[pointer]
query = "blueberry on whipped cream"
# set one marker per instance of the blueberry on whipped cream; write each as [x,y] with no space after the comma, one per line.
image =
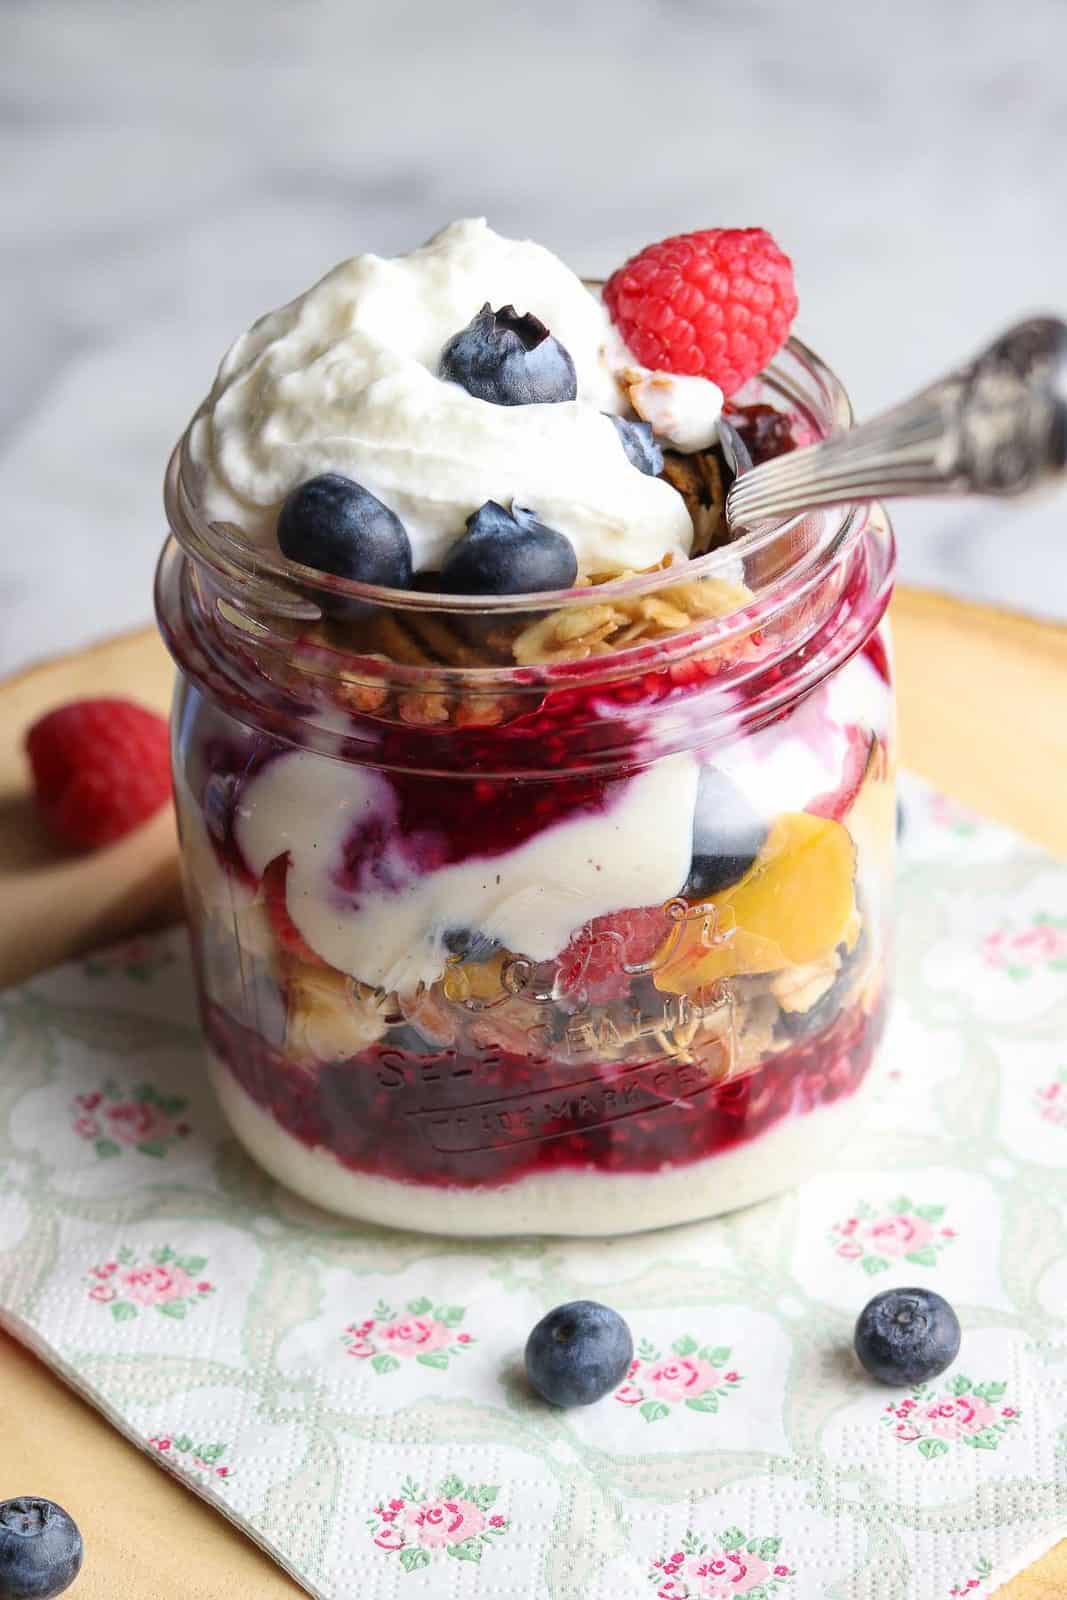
[509,360]
[640,446]
[335,525]
[508,552]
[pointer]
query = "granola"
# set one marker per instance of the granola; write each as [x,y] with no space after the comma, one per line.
[431,639]
[602,628]
[699,480]
[330,1015]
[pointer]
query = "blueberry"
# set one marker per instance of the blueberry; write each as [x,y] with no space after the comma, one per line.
[508,552]
[728,835]
[470,945]
[641,449]
[40,1549]
[219,799]
[906,1336]
[509,360]
[335,525]
[806,1024]
[578,1353]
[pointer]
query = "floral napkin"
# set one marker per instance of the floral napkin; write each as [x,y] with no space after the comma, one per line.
[352,1396]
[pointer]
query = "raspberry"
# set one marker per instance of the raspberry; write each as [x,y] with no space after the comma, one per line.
[599,954]
[100,767]
[715,304]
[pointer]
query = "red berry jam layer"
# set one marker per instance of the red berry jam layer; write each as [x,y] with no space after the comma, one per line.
[492,1118]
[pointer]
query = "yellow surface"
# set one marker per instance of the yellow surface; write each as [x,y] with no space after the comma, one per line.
[983,697]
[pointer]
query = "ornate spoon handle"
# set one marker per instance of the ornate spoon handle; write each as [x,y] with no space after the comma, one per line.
[996,426]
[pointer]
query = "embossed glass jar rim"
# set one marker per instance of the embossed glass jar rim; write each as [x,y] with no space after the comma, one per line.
[265,586]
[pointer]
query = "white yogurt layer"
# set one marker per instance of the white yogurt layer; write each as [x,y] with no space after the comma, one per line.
[388,928]
[570,1203]
[343,379]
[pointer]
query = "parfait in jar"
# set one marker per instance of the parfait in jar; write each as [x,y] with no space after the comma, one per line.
[537,833]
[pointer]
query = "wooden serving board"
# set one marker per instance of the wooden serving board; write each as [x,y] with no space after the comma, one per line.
[982,701]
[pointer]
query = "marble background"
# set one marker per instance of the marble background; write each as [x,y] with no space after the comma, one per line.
[167,172]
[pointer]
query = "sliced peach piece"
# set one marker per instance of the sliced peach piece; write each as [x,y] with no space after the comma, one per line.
[477,980]
[794,905]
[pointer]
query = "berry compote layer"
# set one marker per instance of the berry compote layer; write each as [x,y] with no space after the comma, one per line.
[565,917]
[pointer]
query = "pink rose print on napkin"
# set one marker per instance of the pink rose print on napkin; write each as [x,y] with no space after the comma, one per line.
[415,1336]
[904,1231]
[155,1285]
[688,1375]
[113,1119]
[900,1235]
[717,1568]
[427,1334]
[136,1122]
[1051,1100]
[455,1520]
[964,1413]
[959,1418]
[164,1281]
[683,1378]
[181,1452]
[951,816]
[983,1571]
[1039,946]
[733,1572]
[442,1522]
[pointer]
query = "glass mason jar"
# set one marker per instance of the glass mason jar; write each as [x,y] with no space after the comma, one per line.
[565,919]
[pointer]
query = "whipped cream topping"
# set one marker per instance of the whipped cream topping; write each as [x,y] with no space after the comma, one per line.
[684,411]
[532,899]
[344,379]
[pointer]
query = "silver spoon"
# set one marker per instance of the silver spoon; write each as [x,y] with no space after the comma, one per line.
[996,426]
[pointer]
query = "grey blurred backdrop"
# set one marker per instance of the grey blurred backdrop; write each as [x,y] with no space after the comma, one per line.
[169,171]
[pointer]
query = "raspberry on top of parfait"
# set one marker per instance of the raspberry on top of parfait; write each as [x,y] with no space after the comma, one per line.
[716,304]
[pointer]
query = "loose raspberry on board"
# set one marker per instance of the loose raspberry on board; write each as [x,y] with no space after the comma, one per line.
[100,767]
